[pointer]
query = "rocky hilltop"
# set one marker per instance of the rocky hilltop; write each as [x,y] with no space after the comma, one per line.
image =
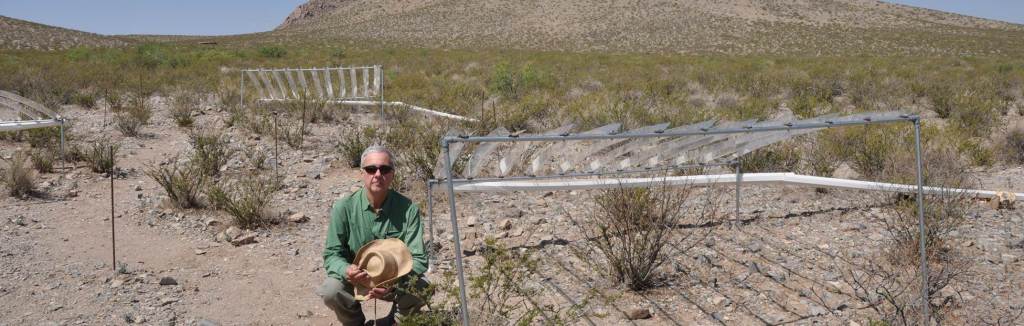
[688,26]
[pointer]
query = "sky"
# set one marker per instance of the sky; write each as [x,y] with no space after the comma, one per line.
[222,17]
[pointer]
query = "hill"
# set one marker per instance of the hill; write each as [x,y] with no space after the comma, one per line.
[828,27]
[21,35]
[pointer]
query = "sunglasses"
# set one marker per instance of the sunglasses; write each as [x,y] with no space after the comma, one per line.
[372,169]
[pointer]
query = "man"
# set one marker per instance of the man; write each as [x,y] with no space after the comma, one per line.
[373,212]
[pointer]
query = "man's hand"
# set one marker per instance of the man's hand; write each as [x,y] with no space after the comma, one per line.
[357,276]
[377,293]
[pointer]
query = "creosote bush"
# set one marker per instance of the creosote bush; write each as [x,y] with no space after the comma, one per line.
[182,182]
[183,105]
[353,143]
[635,229]
[42,160]
[18,176]
[211,151]
[246,200]
[101,156]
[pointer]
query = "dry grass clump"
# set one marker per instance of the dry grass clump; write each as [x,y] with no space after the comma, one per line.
[634,229]
[247,200]
[101,156]
[18,176]
[211,151]
[183,105]
[42,159]
[182,182]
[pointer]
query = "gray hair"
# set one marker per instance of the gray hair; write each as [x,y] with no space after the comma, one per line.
[378,149]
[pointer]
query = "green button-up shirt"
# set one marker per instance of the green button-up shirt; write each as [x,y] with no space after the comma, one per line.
[354,223]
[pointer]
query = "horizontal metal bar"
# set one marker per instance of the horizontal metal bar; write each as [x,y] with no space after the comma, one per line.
[432,182]
[28,124]
[307,69]
[712,131]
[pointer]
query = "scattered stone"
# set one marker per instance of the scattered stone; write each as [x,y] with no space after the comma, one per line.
[212,222]
[505,224]
[1009,259]
[233,232]
[167,301]
[540,221]
[167,280]
[222,237]
[207,322]
[138,188]
[638,313]
[200,252]
[305,314]
[19,220]
[298,218]
[116,283]
[472,221]
[1003,200]
[248,237]
[755,246]
[512,213]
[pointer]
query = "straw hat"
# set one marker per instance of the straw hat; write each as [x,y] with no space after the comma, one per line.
[385,260]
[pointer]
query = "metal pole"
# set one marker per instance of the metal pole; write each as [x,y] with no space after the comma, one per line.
[739,179]
[463,302]
[241,89]
[277,155]
[430,209]
[380,74]
[63,158]
[925,315]
[113,234]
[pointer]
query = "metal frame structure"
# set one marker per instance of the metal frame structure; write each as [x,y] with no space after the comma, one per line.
[357,85]
[743,128]
[30,115]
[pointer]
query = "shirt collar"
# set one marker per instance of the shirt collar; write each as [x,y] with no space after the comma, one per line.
[367,206]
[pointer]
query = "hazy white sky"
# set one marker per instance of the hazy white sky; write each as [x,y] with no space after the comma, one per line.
[219,17]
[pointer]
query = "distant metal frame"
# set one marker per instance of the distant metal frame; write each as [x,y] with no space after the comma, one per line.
[32,109]
[273,88]
[450,180]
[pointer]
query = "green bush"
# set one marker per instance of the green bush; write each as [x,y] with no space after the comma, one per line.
[211,151]
[182,106]
[246,200]
[273,52]
[128,124]
[182,182]
[101,156]
[774,158]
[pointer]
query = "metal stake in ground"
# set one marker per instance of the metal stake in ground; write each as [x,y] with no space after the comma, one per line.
[113,235]
[925,302]
[277,155]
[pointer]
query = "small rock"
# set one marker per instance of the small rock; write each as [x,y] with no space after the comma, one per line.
[298,218]
[512,213]
[305,314]
[505,224]
[138,188]
[233,232]
[1009,259]
[222,237]
[638,313]
[200,252]
[167,301]
[212,222]
[472,221]
[244,239]
[167,280]
[207,322]
[1003,200]
[116,283]
[540,221]
[19,220]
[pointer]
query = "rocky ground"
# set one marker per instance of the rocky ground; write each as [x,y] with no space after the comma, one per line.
[784,260]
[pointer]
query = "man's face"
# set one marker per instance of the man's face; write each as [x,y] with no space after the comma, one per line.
[377,180]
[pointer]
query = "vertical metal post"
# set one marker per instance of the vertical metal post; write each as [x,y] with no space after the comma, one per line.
[925,302]
[277,155]
[63,158]
[241,89]
[380,74]
[739,179]
[463,303]
[113,234]
[430,209]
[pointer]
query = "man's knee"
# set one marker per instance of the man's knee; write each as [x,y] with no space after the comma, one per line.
[335,293]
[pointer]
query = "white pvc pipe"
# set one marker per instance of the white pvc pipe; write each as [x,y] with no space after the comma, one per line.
[703,180]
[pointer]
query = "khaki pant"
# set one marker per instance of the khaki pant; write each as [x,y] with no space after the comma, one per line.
[337,295]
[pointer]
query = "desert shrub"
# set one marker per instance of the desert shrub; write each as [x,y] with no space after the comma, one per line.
[273,52]
[211,151]
[182,106]
[42,160]
[44,137]
[246,200]
[293,133]
[311,109]
[128,124]
[18,176]
[511,82]
[1012,146]
[85,100]
[353,143]
[821,160]
[633,227]
[256,157]
[416,145]
[774,158]
[182,182]
[101,156]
